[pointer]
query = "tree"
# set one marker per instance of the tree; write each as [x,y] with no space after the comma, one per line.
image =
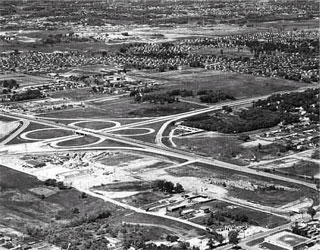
[209,221]
[233,237]
[210,243]
[219,237]
[312,212]
[179,188]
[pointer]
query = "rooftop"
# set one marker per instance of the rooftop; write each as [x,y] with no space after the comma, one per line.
[286,239]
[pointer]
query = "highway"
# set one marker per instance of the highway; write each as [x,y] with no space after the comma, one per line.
[25,124]
[162,149]
[159,149]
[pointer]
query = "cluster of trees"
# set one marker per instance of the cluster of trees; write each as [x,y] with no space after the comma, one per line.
[222,215]
[248,120]
[155,98]
[140,91]
[292,102]
[210,96]
[63,38]
[88,218]
[168,186]
[162,97]
[215,237]
[9,84]
[27,95]
[179,246]
[55,183]
[180,92]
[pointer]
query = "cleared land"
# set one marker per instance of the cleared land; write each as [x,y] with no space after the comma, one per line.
[25,80]
[122,108]
[6,128]
[238,85]
[239,185]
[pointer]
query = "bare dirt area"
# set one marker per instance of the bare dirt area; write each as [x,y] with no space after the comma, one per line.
[6,128]
[254,189]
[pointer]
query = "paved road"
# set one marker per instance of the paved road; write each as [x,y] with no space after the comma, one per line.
[159,149]
[139,210]
[156,149]
[25,124]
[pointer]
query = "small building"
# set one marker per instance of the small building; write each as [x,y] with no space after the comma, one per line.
[34,164]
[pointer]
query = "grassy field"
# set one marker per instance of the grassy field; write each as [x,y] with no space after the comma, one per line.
[110,143]
[144,199]
[263,197]
[49,134]
[302,168]
[274,198]
[149,137]
[122,108]
[238,85]
[81,141]
[226,148]
[96,125]
[224,209]
[6,119]
[132,131]
[20,205]
[32,126]
[74,94]
[181,229]
[22,208]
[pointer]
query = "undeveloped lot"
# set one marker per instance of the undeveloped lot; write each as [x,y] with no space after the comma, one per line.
[238,85]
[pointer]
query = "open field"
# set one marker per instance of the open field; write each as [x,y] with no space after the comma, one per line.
[235,84]
[25,80]
[6,119]
[65,216]
[149,137]
[289,25]
[181,229]
[240,186]
[7,128]
[20,205]
[32,126]
[96,124]
[302,168]
[144,199]
[74,94]
[134,132]
[110,143]
[48,134]
[89,46]
[215,145]
[294,168]
[273,198]
[122,108]
[80,141]
[226,212]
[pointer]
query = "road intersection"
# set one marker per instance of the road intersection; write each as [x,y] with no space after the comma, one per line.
[157,148]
